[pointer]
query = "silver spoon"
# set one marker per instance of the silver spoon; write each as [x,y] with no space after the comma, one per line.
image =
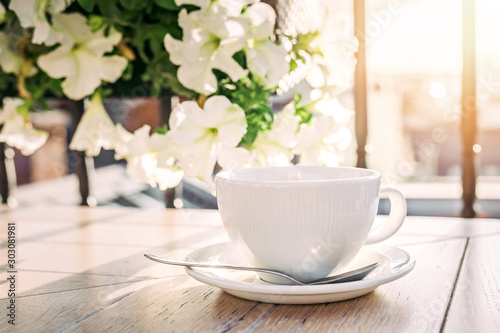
[353,275]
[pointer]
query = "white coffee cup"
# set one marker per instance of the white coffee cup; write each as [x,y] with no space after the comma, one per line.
[304,221]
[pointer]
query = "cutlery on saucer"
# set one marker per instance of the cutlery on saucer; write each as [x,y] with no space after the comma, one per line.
[353,275]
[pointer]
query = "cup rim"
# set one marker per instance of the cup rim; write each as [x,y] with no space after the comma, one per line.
[225,176]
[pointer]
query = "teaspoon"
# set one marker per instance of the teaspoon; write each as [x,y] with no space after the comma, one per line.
[349,276]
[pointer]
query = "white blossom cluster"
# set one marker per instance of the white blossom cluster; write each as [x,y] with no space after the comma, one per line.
[200,135]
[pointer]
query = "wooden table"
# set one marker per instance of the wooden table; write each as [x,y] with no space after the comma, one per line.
[82,269]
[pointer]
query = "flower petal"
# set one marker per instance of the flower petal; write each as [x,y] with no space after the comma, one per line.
[187,50]
[168,178]
[57,6]
[233,158]
[141,168]
[175,49]
[267,61]
[228,65]
[111,67]
[263,19]
[32,140]
[284,129]
[199,158]
[16,133]
[58,63]
[32,13]
[74,27]
[190,24]
[13,126]
[217,24]
[120,139]
[209,41]
[234,7]
[10,106]
[85,78]
[79,58]
[100,44]
[333,65]
[184,128]
[26,12]
[95,130]
[230,120]
[214,112]
[89,71]
[269,153]
[198,76]
[10,62]
[42,32]
[139,145]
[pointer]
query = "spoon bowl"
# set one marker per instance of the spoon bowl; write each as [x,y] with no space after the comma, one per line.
[354,275]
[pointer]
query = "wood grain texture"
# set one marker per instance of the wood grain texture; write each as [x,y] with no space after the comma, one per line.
[82,269]
[476,302]
[32,283]
[115,234]
[400,306]
[396,306]
[165,307]
[97,259]
[55,312]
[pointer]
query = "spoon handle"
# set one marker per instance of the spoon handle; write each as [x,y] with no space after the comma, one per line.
[223,266]
[353,275]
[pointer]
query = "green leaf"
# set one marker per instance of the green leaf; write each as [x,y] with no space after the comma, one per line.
[156,43]
[55,87]
[43,103]
[167,4]
[109,9]
[106,92]
[131,4]
[162,130]
[96,22]
[240,58]
[88,5]
[302,111]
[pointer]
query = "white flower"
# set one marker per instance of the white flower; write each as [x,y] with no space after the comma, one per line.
[10,60]
[234,158]
[332,69]
[317,143]
[95,130]
[204,133]
[209,42]
[265,59]
[275,147]
[120,139]
[330,106]
[17,132]
[32,13]
[324,141]
[80,57]
[148,157]
[10,106]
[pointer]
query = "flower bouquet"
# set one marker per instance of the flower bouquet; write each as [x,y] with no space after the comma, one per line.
[223,58]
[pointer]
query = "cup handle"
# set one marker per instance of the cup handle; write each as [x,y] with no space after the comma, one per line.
[395,219]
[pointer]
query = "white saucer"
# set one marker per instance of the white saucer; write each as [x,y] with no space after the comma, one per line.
[394,264]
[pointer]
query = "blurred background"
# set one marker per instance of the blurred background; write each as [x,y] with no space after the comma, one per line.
[414,87]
